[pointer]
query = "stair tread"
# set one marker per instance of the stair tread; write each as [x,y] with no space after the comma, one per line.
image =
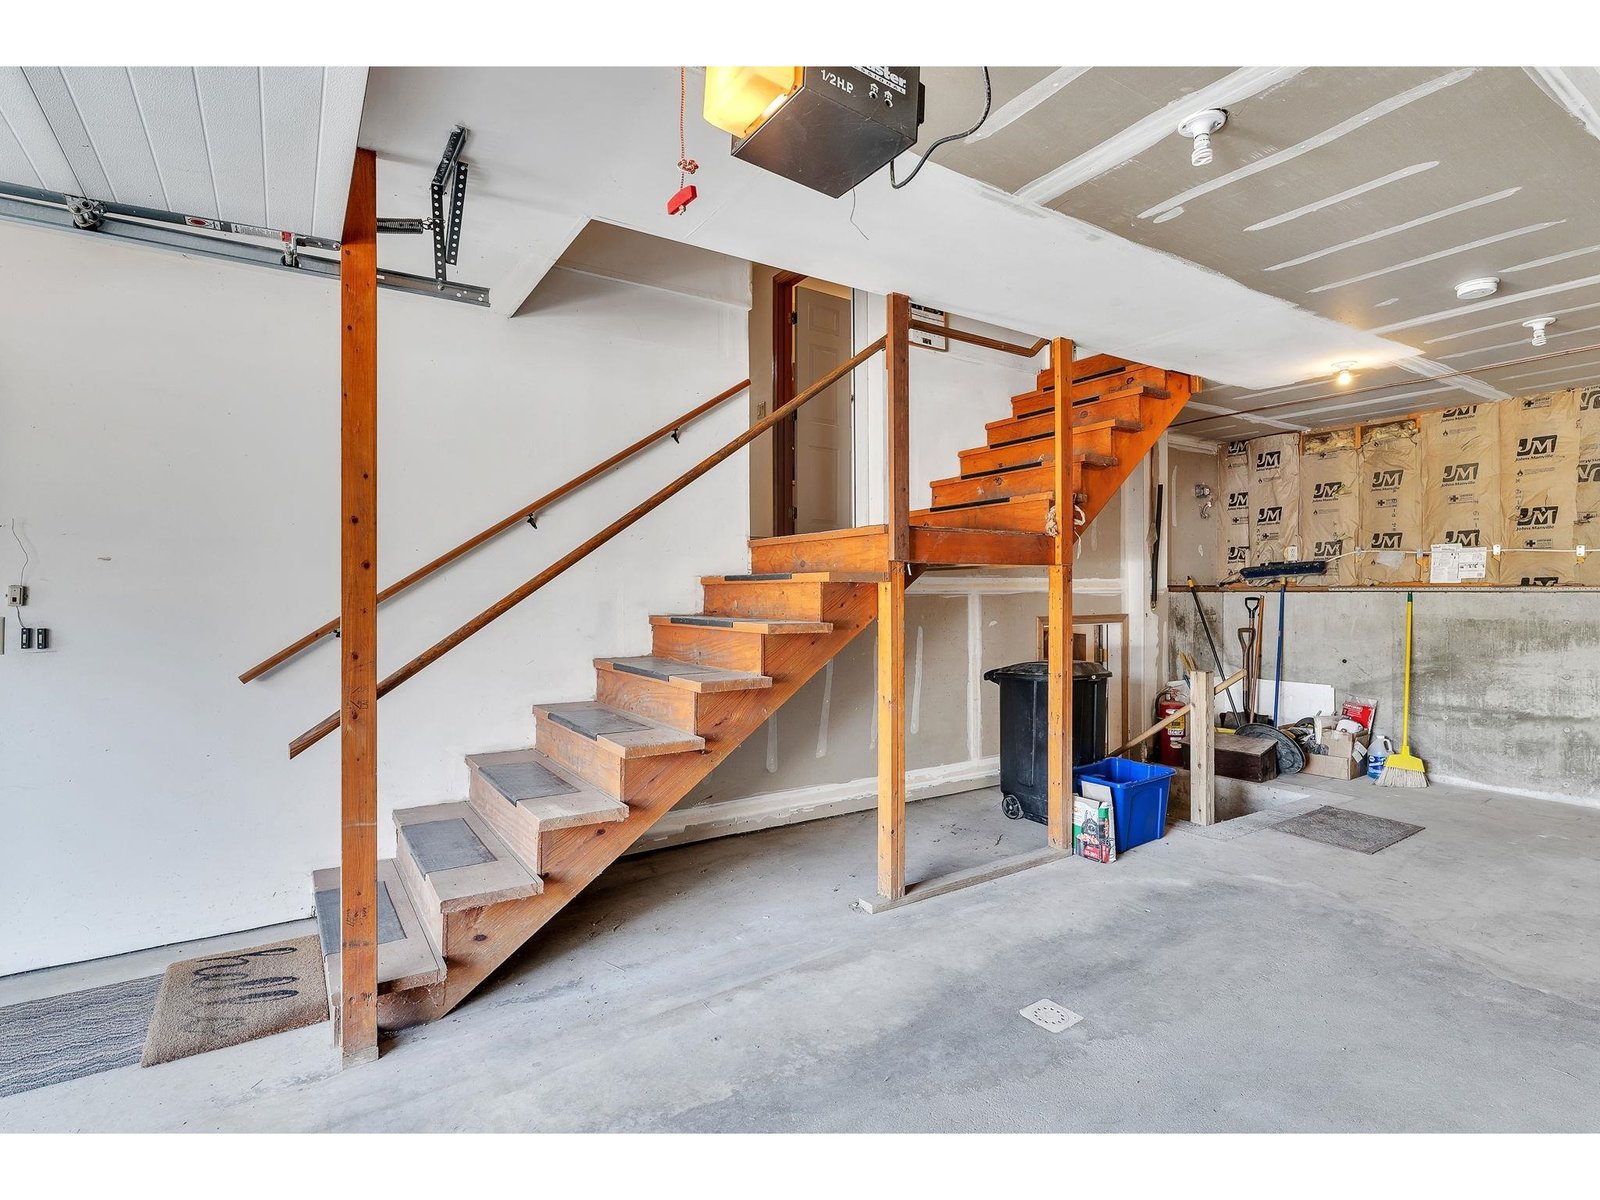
[791,577]
[1086,458]
[624,733]
[406,958]
[464,861]
[689,676]
[742,624]
[544,789]
[1142,389]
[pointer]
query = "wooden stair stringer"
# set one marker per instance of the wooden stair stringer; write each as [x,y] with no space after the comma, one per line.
[1157,414]
[477,941]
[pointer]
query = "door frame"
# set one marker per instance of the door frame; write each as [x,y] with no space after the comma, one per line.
[784,284]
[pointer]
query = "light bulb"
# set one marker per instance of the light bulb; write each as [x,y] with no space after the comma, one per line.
[1344,378]
[1200,127]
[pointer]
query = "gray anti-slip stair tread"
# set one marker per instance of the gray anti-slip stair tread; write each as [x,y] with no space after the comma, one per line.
[743,624]
[692,675]
[520,782]
[594,723]
[327,908]
[445,845]
[404,962]
[625,734]
[456,860]
[543,792]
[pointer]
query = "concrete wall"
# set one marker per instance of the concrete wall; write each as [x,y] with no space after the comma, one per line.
[169,451]
[1192,539]
[1505,685]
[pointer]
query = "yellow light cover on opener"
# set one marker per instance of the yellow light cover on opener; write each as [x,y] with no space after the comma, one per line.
[738,99]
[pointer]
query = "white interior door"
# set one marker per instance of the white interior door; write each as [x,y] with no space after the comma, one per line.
[822,471]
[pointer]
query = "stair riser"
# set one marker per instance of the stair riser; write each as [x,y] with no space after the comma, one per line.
[1125,408]
[1094,365]
[519,832]
[727,648]
[776,600]
[1028,516]
[585,758]
[1096,441]
[1104,385]
[989,487]
[699,712]
[986,458]
[422,893]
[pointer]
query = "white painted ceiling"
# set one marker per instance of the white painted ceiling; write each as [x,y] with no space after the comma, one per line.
[553,146]
[268,146]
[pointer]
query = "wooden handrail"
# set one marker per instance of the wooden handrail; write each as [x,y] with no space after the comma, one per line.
[977,339]
[499,527]
[506,603]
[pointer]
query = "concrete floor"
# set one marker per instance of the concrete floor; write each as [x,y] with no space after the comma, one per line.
[1234,978]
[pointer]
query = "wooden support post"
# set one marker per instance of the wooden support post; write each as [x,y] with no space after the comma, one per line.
[1202,748]
[1058,810]
[358,619]
[897,432]
[892,606]
[892,734]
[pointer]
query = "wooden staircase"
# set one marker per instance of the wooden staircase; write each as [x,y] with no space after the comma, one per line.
[472,881]
[1119,411]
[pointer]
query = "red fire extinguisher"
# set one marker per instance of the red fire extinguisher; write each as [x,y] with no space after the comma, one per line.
[1170,742]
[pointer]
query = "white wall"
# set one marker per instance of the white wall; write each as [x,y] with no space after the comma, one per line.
[168,447]
[953,394]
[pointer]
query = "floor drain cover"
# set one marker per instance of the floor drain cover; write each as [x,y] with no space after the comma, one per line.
[1047,1014]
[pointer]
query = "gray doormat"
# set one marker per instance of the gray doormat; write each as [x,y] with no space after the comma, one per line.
[61,1038]
[222,1000]
[1348,829]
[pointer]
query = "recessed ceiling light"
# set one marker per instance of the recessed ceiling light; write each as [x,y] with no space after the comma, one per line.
[1537,325]
[1477,289]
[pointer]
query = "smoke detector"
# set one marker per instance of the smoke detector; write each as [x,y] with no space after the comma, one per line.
[1477,289]
[1200,127]
[1537,325]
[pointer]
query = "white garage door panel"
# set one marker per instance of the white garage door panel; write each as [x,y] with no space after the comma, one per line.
[110,113]
[230,102]
[344,91]
[54,98]
[292,99]
[170,104]
[266,146]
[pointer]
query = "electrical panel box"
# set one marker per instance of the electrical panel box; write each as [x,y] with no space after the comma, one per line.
[842,126]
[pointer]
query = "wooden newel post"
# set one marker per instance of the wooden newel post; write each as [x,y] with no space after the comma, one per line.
[358,619]
[892,605]
[1058,811]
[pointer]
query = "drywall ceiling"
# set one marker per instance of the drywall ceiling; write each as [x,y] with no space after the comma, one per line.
[554,147]
[1363,195]
[268,146]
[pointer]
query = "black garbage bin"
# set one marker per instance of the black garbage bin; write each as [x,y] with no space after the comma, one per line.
[1025,726]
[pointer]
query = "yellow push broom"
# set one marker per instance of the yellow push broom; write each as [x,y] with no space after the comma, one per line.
[1405,769]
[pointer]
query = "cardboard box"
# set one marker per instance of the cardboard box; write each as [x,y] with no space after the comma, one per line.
[1341,761]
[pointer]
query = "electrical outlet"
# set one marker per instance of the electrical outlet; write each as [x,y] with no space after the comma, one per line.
[16,595]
